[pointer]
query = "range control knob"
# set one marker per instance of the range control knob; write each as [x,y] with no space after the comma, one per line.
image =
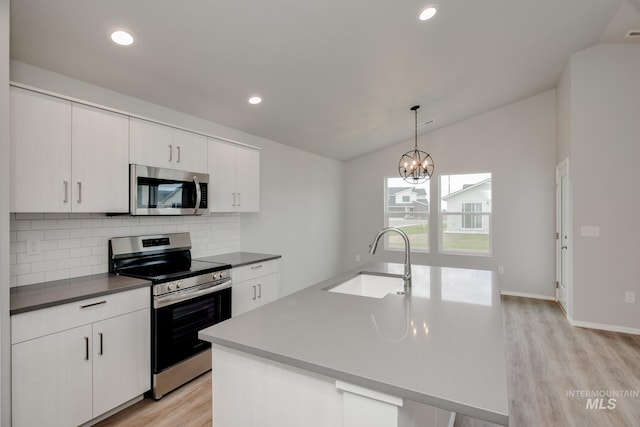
[170,287]
[178,285]
[216,275]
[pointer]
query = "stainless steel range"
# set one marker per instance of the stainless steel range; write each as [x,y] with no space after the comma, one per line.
[188,296]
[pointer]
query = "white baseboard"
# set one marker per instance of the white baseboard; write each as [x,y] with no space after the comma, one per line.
[527,295]
[603,326]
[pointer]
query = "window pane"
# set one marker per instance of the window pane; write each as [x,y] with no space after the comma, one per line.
[407,207]
[465,213]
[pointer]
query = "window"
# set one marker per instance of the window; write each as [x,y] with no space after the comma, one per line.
[465,214]
[470,216]
[407,207]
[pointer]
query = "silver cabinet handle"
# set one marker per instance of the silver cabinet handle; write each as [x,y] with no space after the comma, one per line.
[93,304]
[259,290]
[238,199]
[66,192]
[101,352]
[86,348]
[254,293]
[234,199]
[79,192]
[178,148]
[170,152]
[255,267]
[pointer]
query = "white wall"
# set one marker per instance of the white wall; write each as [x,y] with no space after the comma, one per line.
[301,218]
[307,225]
[517,144]
[5,383]
[604,156]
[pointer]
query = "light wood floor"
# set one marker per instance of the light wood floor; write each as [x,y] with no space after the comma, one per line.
[547,359]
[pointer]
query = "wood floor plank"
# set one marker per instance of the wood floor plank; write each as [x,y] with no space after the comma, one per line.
[547,360]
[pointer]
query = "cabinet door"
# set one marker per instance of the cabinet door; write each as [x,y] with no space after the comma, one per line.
[100,160]
[51,380]
[40,152]
[190,151]
[222,177]
[268,288]
[151,144]
[243,297]
[121,360]
[248,179]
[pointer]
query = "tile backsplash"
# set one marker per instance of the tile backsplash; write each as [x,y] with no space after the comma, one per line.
[72,245]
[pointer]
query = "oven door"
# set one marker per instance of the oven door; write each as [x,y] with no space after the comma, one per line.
[158,191]
[178,318]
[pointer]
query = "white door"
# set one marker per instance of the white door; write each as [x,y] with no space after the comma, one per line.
[100,160]
[40,152]
[248,179]
[562,227]
[222,177]
[52,379]
[151,144]
[121,360]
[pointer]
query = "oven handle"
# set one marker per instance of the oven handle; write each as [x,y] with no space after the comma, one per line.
[198,195]
[165,300]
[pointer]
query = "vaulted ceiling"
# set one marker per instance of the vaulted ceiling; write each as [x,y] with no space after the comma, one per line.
[338,77]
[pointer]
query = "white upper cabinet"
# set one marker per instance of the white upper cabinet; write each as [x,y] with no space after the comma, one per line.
[40,152]
[234,177]
[153,144]
[100,153]
[67,157]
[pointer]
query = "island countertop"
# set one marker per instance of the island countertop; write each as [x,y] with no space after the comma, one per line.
[442,345]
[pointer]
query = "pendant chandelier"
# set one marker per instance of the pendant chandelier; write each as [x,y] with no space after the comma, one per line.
[416,166]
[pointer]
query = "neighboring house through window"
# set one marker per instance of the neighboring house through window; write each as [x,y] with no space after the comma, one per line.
[465,214]
[407,207]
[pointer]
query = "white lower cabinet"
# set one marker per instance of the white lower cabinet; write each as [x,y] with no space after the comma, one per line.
[254,285]
[71,375]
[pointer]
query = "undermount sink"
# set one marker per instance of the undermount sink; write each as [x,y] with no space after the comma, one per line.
[370,285]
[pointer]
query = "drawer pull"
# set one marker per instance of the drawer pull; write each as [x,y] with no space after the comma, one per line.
[93,304]
[255,267]
[259,290]
[101,344]
[86,348]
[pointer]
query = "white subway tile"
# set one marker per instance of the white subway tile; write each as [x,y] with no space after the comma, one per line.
[50,276]
[17,247]
[48,245]
[19,225]
[92,241]
[79,252]
[12,236]
[99,250]
[23,258]
[29,216]
[29,279]
[12,216]
[121,231]
[91,223]
[69,263]
[170,228]
[69,223]
[80,271]
[45,266]
[44,224]
[13,281]
[155,229]
[94,260]
[104,232]
[80,232]
[100,268]
[23,236]
[56,234]
[69,243]
[13,259]
[75,215]
[56,255]
[19,269]
[56,215]
[130,221]
[147,220]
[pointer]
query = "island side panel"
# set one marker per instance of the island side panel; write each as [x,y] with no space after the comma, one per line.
[252,391]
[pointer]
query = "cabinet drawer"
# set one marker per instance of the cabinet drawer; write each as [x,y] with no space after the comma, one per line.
[38,323]
[252,271]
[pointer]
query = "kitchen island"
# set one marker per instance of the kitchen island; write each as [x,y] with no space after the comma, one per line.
[321,358]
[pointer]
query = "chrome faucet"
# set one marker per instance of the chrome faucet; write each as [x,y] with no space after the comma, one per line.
[407,253]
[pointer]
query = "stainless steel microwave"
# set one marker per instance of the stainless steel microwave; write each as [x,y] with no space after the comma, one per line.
[159,191]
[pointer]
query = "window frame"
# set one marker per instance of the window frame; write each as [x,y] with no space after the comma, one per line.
[408,209]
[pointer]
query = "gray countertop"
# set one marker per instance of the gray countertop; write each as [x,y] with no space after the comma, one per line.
[49,294]
[238,259]
[441,346]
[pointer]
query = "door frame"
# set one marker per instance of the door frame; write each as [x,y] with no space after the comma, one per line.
[564,166]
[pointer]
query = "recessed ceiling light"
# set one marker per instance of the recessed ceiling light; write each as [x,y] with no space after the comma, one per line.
[255,100]
[122,37]
[428,12]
